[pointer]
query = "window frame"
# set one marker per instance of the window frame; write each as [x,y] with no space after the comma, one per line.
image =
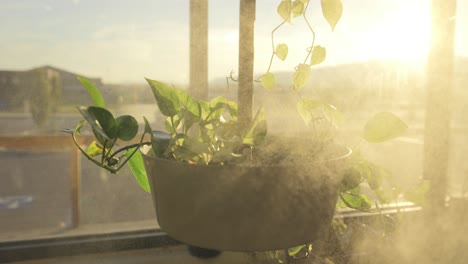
[144,239]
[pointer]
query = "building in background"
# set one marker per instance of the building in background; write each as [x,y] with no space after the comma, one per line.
[17,87]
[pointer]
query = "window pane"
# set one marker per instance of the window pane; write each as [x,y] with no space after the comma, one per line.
[376,60]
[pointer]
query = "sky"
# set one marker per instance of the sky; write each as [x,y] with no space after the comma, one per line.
[124,41]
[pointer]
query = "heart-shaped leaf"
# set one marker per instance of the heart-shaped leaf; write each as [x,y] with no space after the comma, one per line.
[105,120]
[268,81]
[258,131]
[127,127]
[218,104]
[166,98]
[172,123]
[281,51]
[294,250]
[332,11]
[147,126]
[136,165]
[189,102]
[301,76]
[103,125]
[297,8]
[284,10]
[383,126]
[356,201]
[94,149]
[319,54]
[93,91]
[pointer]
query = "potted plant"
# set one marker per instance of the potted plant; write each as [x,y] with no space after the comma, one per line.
[223,184]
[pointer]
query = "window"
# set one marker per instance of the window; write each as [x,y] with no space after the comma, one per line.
[377,60]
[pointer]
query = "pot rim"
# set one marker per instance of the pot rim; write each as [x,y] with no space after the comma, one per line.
[145,149]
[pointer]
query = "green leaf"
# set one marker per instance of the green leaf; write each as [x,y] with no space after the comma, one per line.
[268,81]
[136,165]
[107,120]
[94,149]
[332,11]
[284,10]
[372,173]
[189,102]
[383,126]
[79,126]
[301,76]
[172,123]
[297,8]
[221,103]
[190,119]
[351,179]
[306,108]
[281,51]
[294,250]
[356,201]
[189,149]
[166,98]
[205,109]
[258,131]
[127,127]
[147,126]
[93,91]
[319,54]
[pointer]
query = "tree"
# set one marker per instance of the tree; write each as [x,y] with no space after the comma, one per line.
[46,89]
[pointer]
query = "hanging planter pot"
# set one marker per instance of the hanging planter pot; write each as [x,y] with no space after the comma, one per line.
[248,207]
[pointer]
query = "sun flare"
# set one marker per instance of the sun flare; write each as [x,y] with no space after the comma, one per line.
[404,36]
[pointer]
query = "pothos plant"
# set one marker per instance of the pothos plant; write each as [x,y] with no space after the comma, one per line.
[208,132]
[198,132]
[322,117]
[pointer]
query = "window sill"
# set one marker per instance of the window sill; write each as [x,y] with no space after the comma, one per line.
[127,246]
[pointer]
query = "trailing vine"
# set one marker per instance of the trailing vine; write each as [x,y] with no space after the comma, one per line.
[312,110]
[288,10]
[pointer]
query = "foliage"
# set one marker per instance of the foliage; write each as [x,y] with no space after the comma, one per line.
[204,132]
[207,132]
[314,111]
[316,54]
[199,132]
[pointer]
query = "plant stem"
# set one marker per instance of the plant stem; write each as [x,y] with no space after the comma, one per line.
[129,147]
[89,157]
[313,33]
[273,43]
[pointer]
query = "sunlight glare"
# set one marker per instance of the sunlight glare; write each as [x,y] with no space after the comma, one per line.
[404,36]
